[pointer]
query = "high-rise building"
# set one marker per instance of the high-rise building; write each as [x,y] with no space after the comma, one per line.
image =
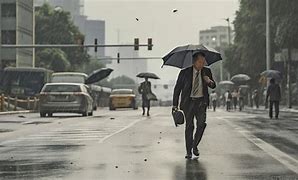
[16,27]
[217,36]
[92,29]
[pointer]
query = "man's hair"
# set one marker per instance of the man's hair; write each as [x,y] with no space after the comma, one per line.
[197,54]
[272,81]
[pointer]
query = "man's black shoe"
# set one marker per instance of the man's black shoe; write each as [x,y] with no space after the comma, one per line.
[196,152]
[188,156]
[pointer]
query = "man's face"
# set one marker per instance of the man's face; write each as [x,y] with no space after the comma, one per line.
[199,62]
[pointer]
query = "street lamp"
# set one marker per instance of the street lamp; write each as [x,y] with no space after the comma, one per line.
[229,31]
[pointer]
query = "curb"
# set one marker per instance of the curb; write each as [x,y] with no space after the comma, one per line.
[15,112]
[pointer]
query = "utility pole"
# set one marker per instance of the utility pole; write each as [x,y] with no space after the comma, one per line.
[289,78]
[268,65]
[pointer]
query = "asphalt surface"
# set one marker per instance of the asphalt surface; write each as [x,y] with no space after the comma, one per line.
[125,145]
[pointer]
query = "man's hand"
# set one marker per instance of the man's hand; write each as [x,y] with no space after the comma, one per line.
[208,80]
[174,108]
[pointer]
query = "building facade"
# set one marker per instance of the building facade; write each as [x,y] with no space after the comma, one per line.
[130,66]
[92,29]
[16,27]
[217,36]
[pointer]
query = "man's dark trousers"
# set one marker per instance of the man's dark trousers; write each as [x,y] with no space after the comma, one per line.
[197,109]
[276,107]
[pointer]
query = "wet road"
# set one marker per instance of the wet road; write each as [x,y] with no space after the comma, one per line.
[124,145]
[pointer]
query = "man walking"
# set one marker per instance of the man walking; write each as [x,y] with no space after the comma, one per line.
[145,89]
[192,84]
[274,96]
[213,96]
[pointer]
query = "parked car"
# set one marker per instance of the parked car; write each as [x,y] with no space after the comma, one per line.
[122,98]
[65,98]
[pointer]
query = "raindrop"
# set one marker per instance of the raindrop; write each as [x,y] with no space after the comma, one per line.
[145,160]
[116,167]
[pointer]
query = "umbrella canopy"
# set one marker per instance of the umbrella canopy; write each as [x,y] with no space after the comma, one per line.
[148,75]
[272,74]
[181,56]
[226,83]
[98,75]
[238,78]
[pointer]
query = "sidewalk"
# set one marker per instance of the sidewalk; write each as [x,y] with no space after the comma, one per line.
[294,109]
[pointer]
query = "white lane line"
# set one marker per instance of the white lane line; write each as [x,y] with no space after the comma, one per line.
[282,157]
[124,128]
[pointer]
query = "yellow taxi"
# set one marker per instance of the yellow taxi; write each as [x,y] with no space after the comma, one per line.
[122,98]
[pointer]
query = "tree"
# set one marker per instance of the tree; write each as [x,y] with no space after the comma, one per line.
[92,66]
[54,59]
[55,27]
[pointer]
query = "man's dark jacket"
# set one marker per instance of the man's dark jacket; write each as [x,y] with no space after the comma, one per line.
[184,86]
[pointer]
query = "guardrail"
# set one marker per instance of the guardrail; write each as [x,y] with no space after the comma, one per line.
[8,103]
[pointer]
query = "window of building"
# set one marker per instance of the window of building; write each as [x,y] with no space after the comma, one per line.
[8,37]
[8,10]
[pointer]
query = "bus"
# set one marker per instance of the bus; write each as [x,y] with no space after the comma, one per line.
[24,82]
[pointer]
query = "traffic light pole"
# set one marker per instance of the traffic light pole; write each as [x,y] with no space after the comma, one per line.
[70,45]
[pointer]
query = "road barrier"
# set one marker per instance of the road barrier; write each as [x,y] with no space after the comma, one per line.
[14,103]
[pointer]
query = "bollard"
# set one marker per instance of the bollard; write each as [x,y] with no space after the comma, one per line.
[35,104]
[28,103]
[15,103]
[8,103]
[2,102]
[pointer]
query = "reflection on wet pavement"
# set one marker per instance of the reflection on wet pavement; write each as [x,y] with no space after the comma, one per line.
[193,170]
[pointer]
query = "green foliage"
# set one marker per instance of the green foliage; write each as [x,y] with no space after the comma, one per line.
[92,66]
[55,27]
[54,59]
[248,54]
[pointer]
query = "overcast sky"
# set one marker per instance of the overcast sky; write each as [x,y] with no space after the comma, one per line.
[156,20]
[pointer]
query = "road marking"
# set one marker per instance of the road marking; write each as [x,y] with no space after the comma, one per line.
[126,127]
[282,157]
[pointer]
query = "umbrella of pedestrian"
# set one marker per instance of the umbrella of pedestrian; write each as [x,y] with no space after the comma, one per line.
[239,78]
[272,74]
[148,75]
[98,75]
[181,56]
[226,83]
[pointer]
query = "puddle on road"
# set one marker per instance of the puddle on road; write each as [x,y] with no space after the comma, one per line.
[37,122]
[11,122]
[62,147]
[27,169]
[5,130]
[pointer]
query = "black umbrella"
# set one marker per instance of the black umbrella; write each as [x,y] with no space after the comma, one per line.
[239,78]
[181,56]
[148,75]
[98,75]
[272,74]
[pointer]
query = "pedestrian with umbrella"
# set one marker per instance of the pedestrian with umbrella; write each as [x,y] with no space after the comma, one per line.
[146,92]
[192,84]
[274,96]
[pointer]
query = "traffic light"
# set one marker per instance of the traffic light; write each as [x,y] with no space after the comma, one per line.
[118,58]
[150,44]
[136,44]
[95,43]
